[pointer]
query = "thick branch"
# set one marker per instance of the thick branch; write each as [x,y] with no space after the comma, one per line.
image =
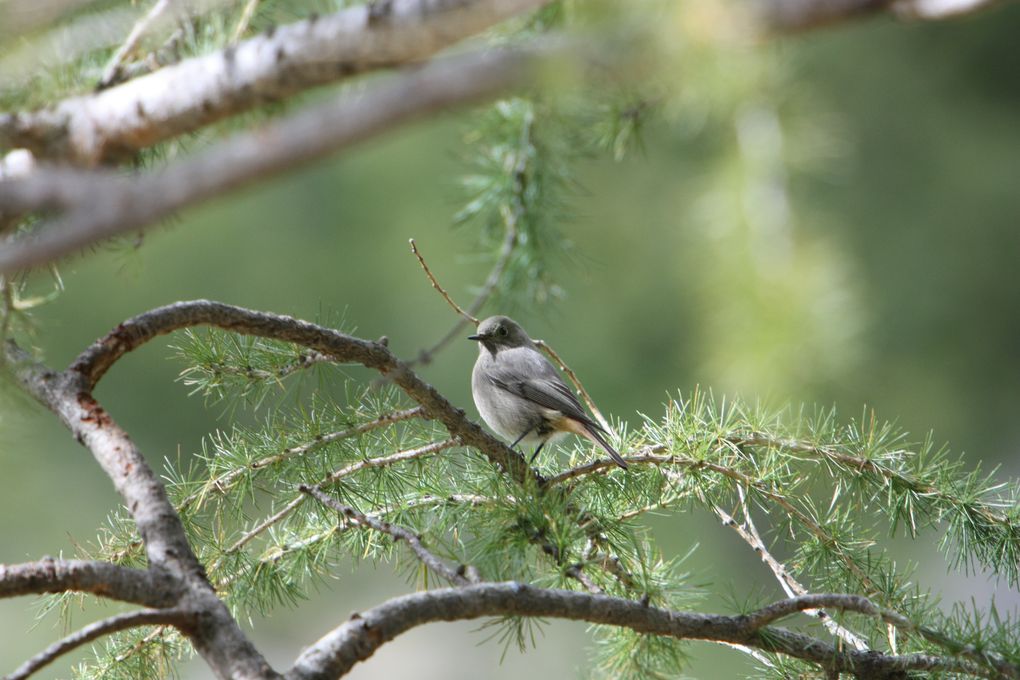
[97,205]
[68,394]
[100,578]
[182,98]
[94,631]
[356,640]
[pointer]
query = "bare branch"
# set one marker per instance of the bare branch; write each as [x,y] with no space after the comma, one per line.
[793,605]
[356,640]
[175,100]
[146,617]
[50,575]
[460,576]
[510,219]
[131,203]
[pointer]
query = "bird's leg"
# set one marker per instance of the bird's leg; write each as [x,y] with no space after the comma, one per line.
[523,435]
[535,454]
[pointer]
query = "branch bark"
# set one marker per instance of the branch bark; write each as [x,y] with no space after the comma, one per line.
[338,651]
[93,363]
[94,631]
[118,122]
[101,204]
[68,394]
[50,575]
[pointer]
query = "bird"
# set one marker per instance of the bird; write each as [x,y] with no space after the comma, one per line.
[521,396]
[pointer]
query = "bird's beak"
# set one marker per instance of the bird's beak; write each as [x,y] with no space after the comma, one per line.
[476,338]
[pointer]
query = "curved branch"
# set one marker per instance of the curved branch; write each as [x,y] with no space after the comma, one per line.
[220,641]
[101,204]
[175,100]
[49,575]
[96,630]
[102,354]
[338,651]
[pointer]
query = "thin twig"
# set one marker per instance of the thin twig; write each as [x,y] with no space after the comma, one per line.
[648,457]
[96,630]
[749,533]
[246,16]
[222,483]
[112,70]
[435,284]
[460,576]
[332,478]
[507,249]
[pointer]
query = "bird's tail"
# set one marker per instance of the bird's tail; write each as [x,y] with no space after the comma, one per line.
[595,434]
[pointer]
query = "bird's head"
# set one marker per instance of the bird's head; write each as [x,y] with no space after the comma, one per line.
[501,332]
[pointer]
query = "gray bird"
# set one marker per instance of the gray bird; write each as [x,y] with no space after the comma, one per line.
[520,394]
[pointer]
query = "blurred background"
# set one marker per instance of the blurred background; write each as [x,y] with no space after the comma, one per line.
[831,218]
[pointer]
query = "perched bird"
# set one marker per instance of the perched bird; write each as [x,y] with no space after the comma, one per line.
[520,394]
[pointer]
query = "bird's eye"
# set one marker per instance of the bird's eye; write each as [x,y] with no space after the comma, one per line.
[501,331]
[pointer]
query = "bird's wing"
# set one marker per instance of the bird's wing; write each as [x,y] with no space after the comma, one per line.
[543,386]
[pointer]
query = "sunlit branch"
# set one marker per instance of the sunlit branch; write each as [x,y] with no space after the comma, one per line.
[130,203]
[119,121]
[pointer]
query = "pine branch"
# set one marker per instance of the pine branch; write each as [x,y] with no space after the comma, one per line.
[460,576]
[343,647]
[223,483]
[99,629]
[179,99]
[129,204]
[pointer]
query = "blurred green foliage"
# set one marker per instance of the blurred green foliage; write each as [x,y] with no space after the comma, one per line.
[828,218]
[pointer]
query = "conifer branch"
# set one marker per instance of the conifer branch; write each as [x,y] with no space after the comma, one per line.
[224,482]
[130,203]
[102,354]
[332,478]
[790,585]
[459,576]
[350,643]
[280,63]
[147,617]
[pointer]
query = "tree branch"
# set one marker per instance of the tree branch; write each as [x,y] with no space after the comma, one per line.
[178,617]
[68,394]
[50,575]
[790,585]
[356,640]
[98,205]
[117,122]
[103,353]
[459,576]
